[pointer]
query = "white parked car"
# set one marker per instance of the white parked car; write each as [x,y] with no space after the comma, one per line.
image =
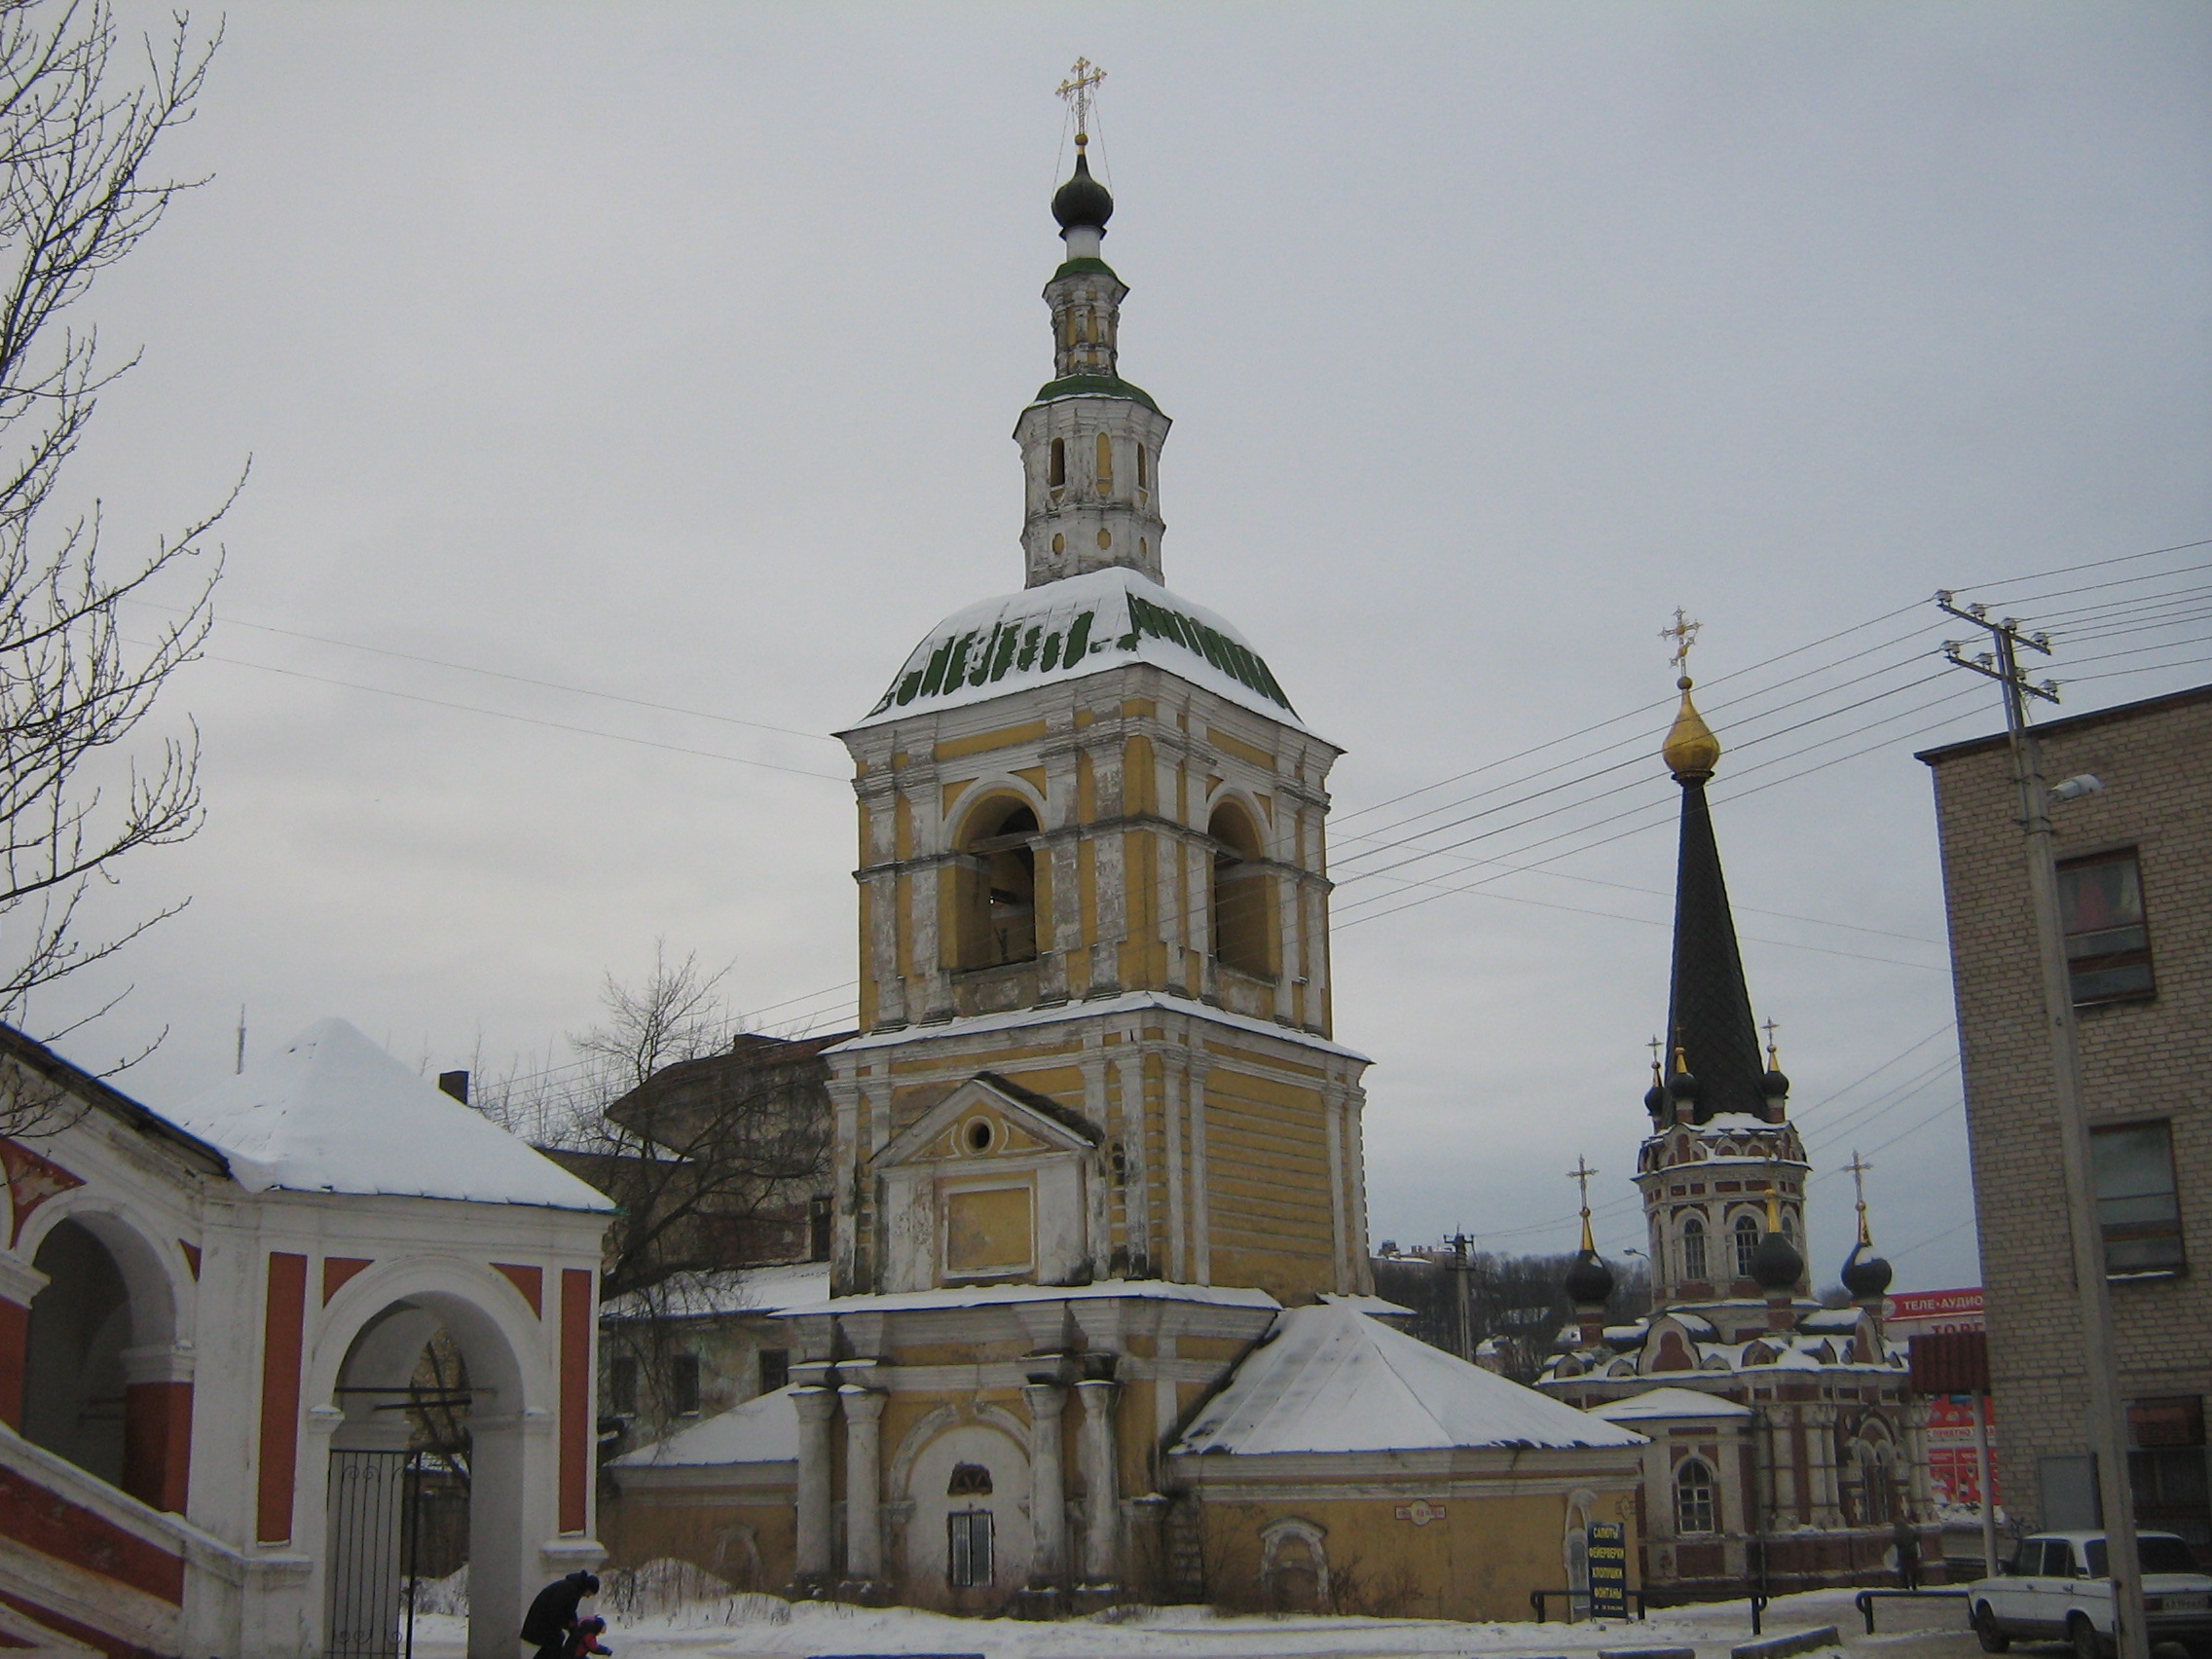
[2056,1589]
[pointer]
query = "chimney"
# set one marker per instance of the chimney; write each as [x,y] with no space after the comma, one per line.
[455,1083]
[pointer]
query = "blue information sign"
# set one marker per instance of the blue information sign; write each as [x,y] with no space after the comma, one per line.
[1608,1570]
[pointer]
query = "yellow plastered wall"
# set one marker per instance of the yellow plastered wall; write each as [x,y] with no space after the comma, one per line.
[1478,1560]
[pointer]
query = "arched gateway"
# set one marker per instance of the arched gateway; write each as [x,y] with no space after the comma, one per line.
[214,1321]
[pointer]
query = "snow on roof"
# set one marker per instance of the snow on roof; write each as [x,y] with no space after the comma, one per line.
[1376,1307]
[995,1295]
[1328,1378]
[1075,626]
[1668,1403]
[334,1112]
[1129,1002]
[762,1430]
[723,1291]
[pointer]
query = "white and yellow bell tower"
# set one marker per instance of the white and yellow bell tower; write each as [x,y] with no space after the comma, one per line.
[1092,865]
[1094,1131]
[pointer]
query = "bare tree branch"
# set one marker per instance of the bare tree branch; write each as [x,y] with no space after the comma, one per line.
[78,130]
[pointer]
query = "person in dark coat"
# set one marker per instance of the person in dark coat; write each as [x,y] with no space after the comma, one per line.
[552,1617]
[1906,1538]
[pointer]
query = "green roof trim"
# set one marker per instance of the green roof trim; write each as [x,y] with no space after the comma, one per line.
[1094,385]
[1086,268]
[1239,662]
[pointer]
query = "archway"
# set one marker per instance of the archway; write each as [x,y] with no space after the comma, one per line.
[428,1397]
[1243,932]
[99,1387]
[998,909]
[968,1537]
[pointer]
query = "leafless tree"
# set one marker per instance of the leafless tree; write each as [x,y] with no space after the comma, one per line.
[704,1158]
[78,130]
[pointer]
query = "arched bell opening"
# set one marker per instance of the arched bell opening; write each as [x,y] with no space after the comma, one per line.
[998,874]
[102,1367]
[1242,896]
[427,1477]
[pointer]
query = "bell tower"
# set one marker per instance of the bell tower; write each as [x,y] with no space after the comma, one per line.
[1094,889]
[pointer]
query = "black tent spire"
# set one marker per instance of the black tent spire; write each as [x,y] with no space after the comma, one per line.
[1709,1009]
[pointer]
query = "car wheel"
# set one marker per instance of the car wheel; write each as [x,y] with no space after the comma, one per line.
[1987,1630]
[2087,1643]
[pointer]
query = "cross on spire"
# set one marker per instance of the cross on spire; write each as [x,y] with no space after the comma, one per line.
[1684,633]
[1083,81]
[1580,1175]
[1859,1170]
[1773,1055]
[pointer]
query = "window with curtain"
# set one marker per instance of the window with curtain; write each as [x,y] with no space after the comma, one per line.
[2107,944]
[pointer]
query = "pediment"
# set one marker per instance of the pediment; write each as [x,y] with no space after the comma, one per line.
[985,1118]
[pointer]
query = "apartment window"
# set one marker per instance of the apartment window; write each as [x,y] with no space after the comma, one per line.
[2167,1473]
[1693,1497]
[775,1369]
[622,1386]
[684,1384]
[2108,948]
[2137,1206]
[818,1219]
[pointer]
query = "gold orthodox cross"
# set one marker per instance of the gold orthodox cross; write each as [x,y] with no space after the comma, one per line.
[1685,635]
[1083,80]
[1770,1028]
[1859,1170]
[1580,1175]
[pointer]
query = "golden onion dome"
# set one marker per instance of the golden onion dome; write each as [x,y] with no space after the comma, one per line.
[1691,749]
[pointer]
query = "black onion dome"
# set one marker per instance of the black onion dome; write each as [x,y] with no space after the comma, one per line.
[1775,1263]
[1083,202]
[1774,1086]
[1683,1086]
[1589,1282]
[1655,1101]
[1865,1274]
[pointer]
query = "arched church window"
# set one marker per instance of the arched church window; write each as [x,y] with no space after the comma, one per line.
[998,924]
[1693,1248]
[968,1480]
[1747,1244]
[1144,467]
[1105,463]
[1056,474]
[1242,899]
[1693,1497]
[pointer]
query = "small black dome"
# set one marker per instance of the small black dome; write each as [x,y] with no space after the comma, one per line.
[1683,1086]
[1775,1263]
[1865,1274]
[1655,1101]
[1083,202]
[1589,1282]
[1774,1086]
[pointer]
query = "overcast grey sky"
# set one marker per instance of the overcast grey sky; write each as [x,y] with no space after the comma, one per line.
[671,352]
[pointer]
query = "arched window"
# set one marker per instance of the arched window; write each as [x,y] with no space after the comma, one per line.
[1747,1244]
[1693,1248]
[1693,1497]
[968,1480]
[1242,896]
[1105,463]
[1144,467]
[1056,475]
[74,1380]
[999,924]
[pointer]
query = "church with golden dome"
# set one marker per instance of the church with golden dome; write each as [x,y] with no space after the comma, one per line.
[1786,1447]
[1099,1323]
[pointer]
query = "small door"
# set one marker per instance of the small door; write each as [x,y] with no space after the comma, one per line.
[362,1554]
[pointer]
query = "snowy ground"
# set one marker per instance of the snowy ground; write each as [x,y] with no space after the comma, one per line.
[740,1627]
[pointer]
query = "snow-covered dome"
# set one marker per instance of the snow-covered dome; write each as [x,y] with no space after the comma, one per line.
[1078,625]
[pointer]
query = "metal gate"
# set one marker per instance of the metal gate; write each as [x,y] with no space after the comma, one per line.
[368,1505]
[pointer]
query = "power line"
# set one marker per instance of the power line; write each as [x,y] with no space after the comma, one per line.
[522,719]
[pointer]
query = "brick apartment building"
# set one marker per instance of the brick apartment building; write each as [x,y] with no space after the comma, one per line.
[2135,884]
